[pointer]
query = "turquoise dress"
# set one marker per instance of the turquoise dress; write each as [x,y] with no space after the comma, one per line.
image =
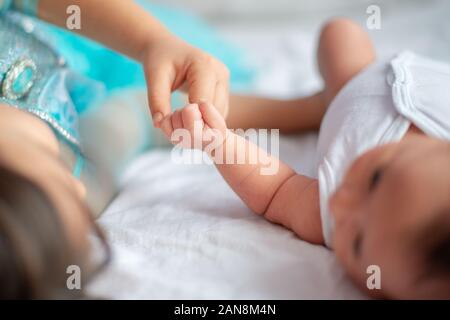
[37,73]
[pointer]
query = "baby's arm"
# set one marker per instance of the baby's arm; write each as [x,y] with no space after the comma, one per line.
[283,197]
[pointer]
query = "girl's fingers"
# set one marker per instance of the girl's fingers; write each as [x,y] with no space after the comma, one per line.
[159,82]
[202,85]
[221,98]
[212,117]
[166,126]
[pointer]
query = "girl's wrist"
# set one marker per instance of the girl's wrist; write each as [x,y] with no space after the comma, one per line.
[154,41]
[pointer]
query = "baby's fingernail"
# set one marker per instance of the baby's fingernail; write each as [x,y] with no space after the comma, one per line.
[157,117]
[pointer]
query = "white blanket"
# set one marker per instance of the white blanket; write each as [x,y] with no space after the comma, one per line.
[179,232]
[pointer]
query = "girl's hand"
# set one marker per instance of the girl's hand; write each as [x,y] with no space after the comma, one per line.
[170,63]
[196,127]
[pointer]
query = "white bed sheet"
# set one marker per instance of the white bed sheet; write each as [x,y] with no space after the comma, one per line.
[179,232]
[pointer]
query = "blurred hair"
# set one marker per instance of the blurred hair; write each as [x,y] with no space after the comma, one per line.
[34,249]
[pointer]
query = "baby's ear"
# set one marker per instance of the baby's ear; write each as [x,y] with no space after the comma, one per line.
[212,116]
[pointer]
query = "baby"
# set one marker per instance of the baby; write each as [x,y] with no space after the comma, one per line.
[382,193]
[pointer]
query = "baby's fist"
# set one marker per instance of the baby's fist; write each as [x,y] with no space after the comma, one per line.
[195,127]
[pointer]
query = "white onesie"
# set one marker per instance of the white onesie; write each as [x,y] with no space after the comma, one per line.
[377,107]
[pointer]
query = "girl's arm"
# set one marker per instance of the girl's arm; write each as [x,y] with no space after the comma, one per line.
[169,63]
[268,186]
[121,25]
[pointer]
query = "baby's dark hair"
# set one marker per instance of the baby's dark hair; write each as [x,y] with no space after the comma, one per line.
[435,245]
[34,249]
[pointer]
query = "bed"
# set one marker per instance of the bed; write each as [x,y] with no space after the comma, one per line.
[179,232]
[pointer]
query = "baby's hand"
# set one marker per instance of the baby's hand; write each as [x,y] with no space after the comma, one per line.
[196,127]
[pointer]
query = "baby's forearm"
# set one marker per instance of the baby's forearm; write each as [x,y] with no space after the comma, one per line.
[250,171]
[282,196]
[118,24]
[268,186]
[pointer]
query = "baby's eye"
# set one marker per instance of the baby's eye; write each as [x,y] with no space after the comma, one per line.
[375,179]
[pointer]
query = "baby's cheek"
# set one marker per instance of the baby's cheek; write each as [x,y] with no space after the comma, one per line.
[353,267]
[338,242]
[343,240]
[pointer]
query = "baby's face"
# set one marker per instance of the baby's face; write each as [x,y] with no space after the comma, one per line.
[387,200]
